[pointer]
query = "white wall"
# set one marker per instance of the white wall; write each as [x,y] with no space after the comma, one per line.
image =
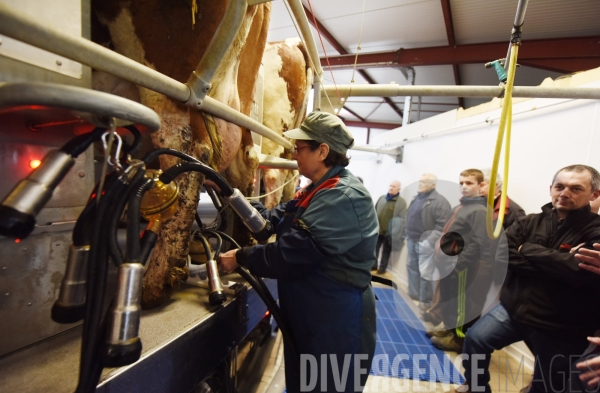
[546,136]
[543,141]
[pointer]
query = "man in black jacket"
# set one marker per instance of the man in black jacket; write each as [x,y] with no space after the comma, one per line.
[546,297]
[464,262]
[512,210]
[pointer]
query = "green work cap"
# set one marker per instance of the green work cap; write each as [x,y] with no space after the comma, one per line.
[326,128]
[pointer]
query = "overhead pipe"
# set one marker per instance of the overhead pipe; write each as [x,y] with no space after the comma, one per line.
[266,162]
[395,153]
[393,90]
[200,79]
[309,40]
[15,24]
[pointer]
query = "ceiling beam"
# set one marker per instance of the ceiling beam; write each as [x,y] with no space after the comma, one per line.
[560,51]
[359,117]
[447,11]
[342,51]
[371,124]
[564,66]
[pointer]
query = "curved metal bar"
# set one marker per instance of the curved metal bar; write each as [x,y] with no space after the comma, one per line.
[78,99]
[24,29]
[18,26]
[200,79]
[224,112]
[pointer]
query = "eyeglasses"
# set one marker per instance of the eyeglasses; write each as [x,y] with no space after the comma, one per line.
[298,148]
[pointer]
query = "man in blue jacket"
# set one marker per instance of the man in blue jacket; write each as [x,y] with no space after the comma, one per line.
[322,258]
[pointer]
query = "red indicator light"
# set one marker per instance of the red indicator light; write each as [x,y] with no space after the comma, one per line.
[17,240]
[34,163]
[267,314]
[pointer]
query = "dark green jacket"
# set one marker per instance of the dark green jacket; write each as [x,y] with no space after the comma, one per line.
[393,211]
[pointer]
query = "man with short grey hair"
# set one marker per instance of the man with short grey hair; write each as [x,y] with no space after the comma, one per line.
[426,216]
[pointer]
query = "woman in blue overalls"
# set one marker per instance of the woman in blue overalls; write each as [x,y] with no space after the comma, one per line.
[322,258]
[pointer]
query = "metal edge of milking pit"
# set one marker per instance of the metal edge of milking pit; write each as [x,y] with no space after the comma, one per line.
[183,362]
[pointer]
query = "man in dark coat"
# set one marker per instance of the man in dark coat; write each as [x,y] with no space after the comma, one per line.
[391,214]
[512,210]
[465,262]
[425,219]
[546,298]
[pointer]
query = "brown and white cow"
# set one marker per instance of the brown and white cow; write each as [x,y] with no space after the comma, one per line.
[287,82]
[160,35]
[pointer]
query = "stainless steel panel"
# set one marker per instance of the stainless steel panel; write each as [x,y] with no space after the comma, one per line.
[62,14]
[183,340]
[30,275]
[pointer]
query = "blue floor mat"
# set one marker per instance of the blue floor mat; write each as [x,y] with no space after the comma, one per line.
[403,351]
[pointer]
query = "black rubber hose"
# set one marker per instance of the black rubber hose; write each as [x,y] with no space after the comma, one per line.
[259,284]
[133,220]
[96,286]
[80,143]
[81,234]
[153,155]
[170,174]
[116,254]
[219,242]
[219,206]
[206,246]
[267,298]
[199,221]
[137,138]
[147,243]
[228,238]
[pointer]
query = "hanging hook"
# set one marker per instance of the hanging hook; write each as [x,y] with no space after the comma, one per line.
[107,145]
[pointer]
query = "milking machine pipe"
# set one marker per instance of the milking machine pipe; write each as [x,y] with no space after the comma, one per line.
[70,305]
[123,345]
[260,228]
[222,222]
[263,292]
[28,197]
[216,295]
[113,246]
[92,337]
[154,154]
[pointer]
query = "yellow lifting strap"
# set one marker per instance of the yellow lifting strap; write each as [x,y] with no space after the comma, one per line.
[504,131]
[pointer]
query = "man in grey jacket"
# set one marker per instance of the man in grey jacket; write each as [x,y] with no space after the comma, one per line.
[426,216]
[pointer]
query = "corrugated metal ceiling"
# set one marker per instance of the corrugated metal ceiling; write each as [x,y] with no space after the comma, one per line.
[389,25]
